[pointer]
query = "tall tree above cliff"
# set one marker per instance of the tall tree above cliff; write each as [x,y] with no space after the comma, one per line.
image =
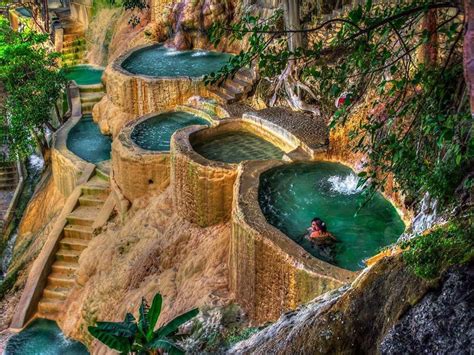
[33,84]
[418,126]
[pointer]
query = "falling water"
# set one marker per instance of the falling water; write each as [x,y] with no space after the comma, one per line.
[345,185]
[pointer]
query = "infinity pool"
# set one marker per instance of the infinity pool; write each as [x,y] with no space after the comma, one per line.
[235,147]
[155,133]
[43,337]
[292,195]
[84,74]
[86,141]
[161,61]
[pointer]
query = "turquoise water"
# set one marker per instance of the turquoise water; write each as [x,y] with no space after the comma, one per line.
[84,74]
[161,61]
[155,133]
[292,195]
[236,147]
[24,11]
[43,337]
[86,141]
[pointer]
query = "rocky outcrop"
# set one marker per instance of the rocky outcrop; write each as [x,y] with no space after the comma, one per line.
[441,323]
[154,251]
[353,320]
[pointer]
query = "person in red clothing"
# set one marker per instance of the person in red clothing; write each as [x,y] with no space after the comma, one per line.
[318,232]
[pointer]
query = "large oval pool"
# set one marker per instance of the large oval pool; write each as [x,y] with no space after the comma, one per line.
[43,337]
[86,141]
[290,196]
[237,146]
[160,61]
[155,133]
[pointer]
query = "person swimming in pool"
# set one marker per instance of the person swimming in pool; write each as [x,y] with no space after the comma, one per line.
[318,233]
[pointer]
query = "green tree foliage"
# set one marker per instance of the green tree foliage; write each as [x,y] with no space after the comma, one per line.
[33,83]
[140,337]
[428,255]
[419,126]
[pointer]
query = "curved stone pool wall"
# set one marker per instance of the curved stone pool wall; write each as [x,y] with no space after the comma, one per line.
[135,95]
[203,189]
[68,167]
[269,273]
[138,172]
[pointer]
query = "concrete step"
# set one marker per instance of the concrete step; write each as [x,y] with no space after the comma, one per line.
[61,280]
[8,179]
[50,307]
[96,189]
[83,215]
[8,171]
[74,244]
[56,293]
[78,232]
[74,49]
[7,187]
[91,97]
[223,97]
[92,88]
[87,107]
[70,256]
[64,267]
[91,201]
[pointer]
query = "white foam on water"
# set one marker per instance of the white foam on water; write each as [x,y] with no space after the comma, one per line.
[199,54]
[345,185]
[36,162]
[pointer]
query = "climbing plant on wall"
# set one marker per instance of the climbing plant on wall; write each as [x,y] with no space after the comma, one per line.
[403,63]
[33,84]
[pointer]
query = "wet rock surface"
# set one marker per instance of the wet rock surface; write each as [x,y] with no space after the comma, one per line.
[441,323]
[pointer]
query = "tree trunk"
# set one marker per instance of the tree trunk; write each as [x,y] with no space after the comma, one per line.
[292,22]
[469,51]
[430,49]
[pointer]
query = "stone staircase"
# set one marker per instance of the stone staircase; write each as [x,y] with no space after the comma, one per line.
[75,238]
[90,95]
[74,48]
[235,88]
[8,176]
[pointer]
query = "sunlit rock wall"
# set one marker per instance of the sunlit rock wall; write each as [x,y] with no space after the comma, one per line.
[138,172]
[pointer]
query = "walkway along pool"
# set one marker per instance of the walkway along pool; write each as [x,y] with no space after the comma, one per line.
[43,337]
[155,133]
[290,196]
[160,61]
[234,147]
[84,74]
[86,141]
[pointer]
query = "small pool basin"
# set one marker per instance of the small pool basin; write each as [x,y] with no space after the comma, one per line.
[155,132]
[290,196]
[159,61]
[85,74]
[237,146]
[43,337]
[86,141]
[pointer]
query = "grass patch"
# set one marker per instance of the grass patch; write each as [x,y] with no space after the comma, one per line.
[429,255]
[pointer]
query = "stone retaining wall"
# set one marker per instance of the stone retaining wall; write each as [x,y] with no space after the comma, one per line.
[269,273]
[203,189]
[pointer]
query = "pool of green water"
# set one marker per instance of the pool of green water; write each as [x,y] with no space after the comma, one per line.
[235,147]
[292,195]
[86,141]
[161,61]
[43,337]
[155,133]
[23,11]
[84,74]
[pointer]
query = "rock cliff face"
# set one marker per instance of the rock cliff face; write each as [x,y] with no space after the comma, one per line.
[345,321]
[154,251]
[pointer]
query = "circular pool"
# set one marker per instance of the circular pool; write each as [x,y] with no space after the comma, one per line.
[236,146]
[290,196]
[155,133]
[43,337]
[159,61]
[86,141]
[84,74]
